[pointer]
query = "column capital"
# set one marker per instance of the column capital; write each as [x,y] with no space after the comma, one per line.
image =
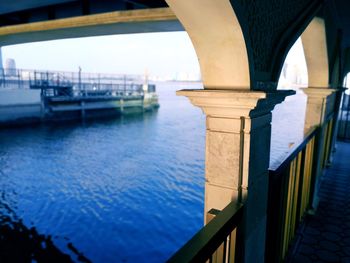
[320,105]
[341,89]
[320,93]
[235,103]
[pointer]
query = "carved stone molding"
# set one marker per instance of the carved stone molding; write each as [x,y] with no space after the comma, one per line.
[318,92]
[235,103]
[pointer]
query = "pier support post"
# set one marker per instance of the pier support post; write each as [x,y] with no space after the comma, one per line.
[237,156]
[83,114]
[42,107]
[121,106]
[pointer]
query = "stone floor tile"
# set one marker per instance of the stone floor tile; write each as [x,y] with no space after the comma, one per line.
[346,251]
[312,231]
[303,259]
[327,256]
[333,229]
[346,241]
[310,240]
[313,257]
[306,249]
[331,236]
[345,260]
[330,246]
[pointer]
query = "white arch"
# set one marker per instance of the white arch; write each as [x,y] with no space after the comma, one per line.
[218,40]
[315,49]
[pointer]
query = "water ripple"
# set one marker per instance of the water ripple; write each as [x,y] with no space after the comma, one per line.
[125,190]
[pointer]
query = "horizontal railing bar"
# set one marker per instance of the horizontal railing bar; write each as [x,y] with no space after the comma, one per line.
[209,238]
[278,169]
[83,74]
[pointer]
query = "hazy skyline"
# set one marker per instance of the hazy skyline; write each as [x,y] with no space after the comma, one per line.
[161,54]
[168,55]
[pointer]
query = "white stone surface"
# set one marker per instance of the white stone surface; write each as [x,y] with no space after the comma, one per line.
[14,114]
[19,105]
[315,50]
[320,102]
[15,97]
[218,40]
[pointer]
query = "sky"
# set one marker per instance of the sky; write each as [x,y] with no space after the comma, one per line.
[296,53]
[295,65]
[161,54]
[169,55]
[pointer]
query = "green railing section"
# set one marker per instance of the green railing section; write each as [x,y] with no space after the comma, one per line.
[217,239]
[290,195]
[291,189]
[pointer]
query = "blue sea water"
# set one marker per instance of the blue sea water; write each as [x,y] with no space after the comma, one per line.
[124,190]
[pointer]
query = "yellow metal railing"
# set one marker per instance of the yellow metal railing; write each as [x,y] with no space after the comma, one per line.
[290,191]
[216,241]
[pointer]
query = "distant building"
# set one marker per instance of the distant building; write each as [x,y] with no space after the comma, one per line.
[1,67]
[10,67]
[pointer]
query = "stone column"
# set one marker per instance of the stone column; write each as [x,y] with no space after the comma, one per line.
[320,105]
[237,156]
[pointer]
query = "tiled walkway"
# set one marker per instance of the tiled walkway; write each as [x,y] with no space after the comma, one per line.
[325,236]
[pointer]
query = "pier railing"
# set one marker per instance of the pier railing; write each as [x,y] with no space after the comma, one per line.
[66,76]
[88,90]
[75,85]
[217,241]
[22,78]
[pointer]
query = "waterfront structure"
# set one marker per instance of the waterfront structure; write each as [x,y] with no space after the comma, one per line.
[29,96]
[241,46]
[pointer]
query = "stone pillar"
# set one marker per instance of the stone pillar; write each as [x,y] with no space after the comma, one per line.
[237,156]
[320,105]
